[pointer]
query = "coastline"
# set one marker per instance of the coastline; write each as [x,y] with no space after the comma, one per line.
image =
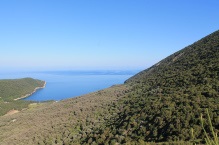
[27,95]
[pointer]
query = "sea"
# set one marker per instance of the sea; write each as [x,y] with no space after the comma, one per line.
[67,84]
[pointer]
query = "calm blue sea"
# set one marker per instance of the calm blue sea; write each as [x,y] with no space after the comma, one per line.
[66,84]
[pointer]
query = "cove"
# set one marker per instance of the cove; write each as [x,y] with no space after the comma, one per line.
[67,84]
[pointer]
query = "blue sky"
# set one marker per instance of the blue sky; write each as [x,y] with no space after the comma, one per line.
[99,34]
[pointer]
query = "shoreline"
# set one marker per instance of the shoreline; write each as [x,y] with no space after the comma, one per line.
[27,95]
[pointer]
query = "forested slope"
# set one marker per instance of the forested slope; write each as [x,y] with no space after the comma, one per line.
[63,122]
[11,89]
[167,99]
[159,105]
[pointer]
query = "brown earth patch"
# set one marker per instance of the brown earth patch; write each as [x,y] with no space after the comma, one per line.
[11,112]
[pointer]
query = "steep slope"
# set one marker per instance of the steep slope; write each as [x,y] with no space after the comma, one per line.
[167,99]
[203,54]
[160,104]
[12,89]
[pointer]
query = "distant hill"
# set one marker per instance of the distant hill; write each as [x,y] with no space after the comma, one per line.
[161,104]
[12,89]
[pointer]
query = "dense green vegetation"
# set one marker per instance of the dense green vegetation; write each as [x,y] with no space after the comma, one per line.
[167,99]
[161,105]
[62,122]
[16,88]
[213,139]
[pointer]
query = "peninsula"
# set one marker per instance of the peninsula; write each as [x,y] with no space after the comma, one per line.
[29,94]
[12,90]
[160,105]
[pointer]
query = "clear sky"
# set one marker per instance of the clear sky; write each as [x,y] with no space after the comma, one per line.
[99,34]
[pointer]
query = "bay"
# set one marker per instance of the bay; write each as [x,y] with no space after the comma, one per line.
[67,84]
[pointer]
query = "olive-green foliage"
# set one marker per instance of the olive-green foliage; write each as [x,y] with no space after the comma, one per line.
[212,137]
[160,105]
[62,122]
[166,100]
[12,89]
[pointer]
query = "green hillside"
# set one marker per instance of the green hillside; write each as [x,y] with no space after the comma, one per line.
[63,122]
[11,89]
[160,105]
[167,99]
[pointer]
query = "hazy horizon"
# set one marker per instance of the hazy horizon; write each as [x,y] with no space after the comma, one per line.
[40,35]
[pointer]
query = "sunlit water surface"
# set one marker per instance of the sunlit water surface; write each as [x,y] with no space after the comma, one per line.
[66,84]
